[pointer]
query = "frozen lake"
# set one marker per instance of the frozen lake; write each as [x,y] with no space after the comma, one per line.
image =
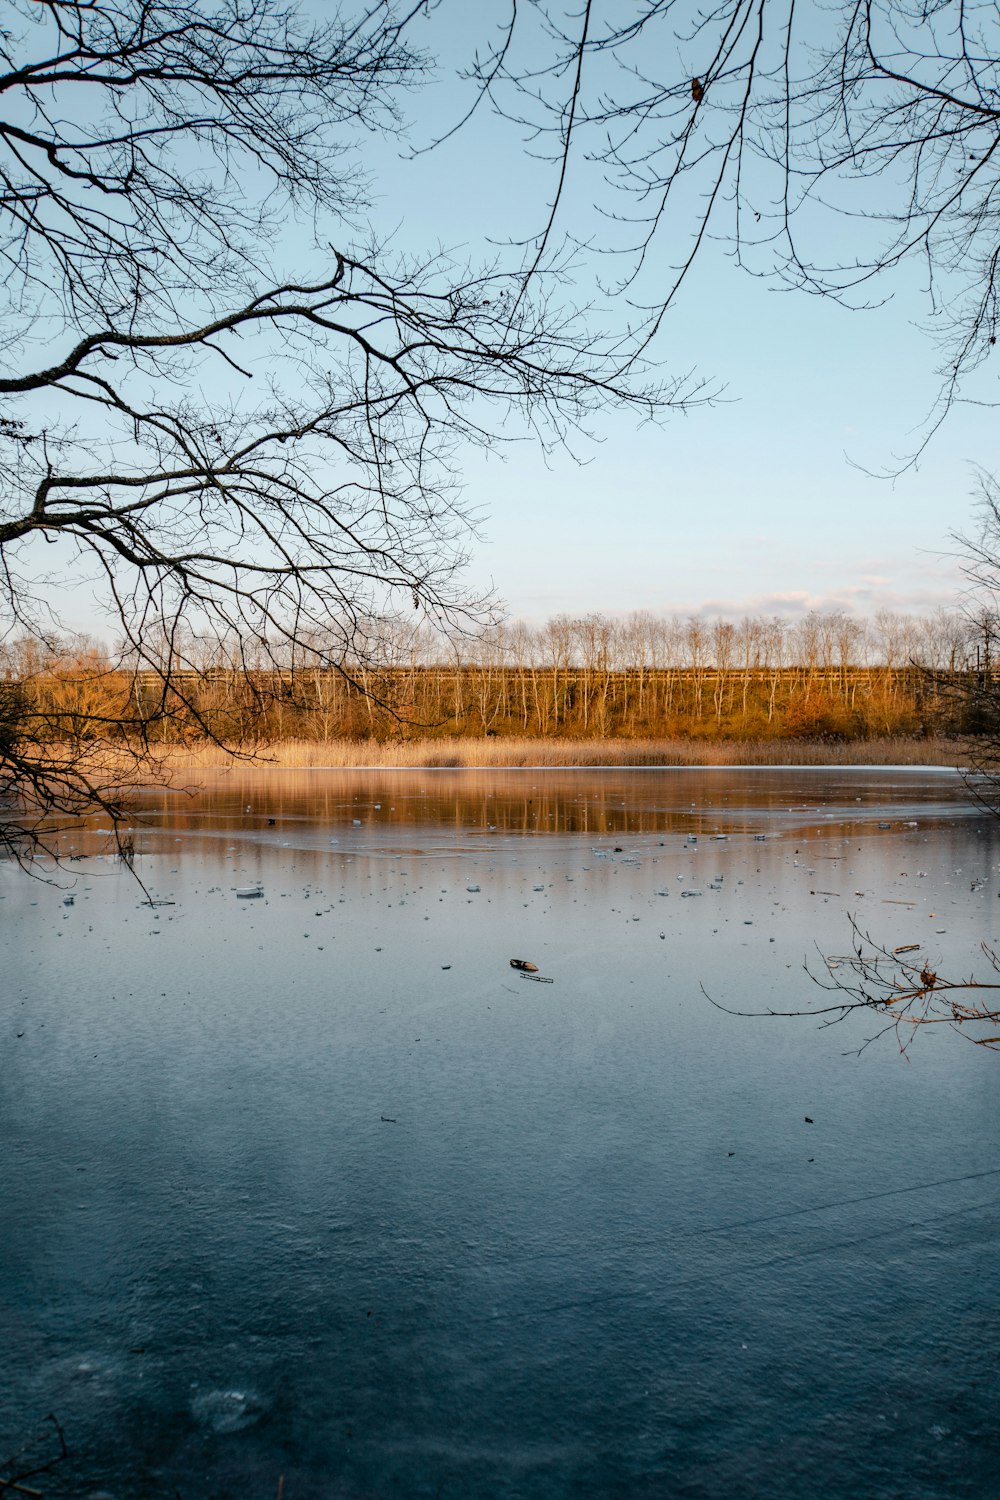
[313,1184]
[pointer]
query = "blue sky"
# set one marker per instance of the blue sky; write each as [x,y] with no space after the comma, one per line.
[759,504]
[756,504]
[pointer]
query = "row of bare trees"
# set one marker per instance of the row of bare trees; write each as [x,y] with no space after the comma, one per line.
[944,640]
[828,674]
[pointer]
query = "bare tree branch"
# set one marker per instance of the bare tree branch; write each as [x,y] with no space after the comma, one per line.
[899,986]
[828,147]
[224,449]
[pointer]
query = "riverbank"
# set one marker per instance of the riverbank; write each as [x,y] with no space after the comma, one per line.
[430,753]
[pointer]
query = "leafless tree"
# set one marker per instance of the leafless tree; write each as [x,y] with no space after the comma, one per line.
[902,990]
[827,146]
[980,646]
[224,407]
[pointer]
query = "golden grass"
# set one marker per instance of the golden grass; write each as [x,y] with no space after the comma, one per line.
[458,753]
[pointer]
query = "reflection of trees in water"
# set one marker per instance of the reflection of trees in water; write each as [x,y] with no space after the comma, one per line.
[603,804]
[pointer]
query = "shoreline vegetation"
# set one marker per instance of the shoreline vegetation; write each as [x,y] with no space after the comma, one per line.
[640,692]
[475,753]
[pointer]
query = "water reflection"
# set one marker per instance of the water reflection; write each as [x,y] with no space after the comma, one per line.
[285,804]
[315,1185]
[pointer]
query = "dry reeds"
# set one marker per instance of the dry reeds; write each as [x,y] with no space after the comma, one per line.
[459,753]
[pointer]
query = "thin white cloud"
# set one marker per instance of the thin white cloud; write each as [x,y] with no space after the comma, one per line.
[860,600]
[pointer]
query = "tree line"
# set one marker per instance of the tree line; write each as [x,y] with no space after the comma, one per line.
[238,401]
[825,675]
